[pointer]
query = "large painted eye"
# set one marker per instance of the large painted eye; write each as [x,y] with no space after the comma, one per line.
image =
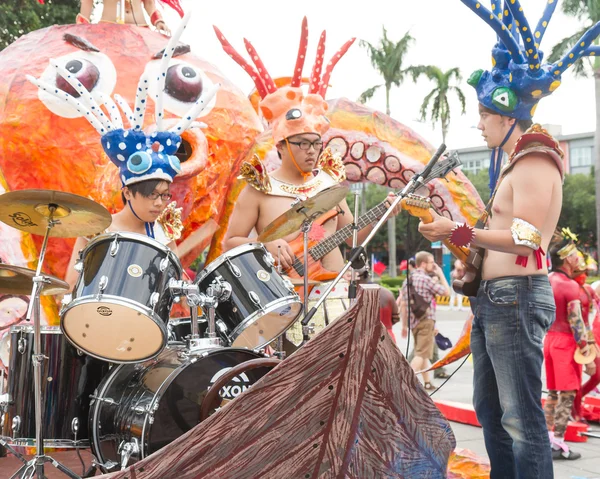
[94,70]
[175,163]
[139,162]
[184,84]
[86,73]
[504,99]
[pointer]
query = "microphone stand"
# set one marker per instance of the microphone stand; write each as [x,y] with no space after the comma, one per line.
[415,182]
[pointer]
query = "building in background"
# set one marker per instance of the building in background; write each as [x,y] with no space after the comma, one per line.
[578,148]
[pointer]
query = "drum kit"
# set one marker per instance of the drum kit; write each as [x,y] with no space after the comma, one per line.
[118,375]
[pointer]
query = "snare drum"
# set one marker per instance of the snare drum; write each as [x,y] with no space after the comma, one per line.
[262,304]
[68,379]
[121,302]
[138,409]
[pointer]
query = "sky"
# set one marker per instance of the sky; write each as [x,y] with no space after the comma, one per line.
[447,34]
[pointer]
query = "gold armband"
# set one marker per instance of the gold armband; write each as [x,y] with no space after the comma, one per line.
[525,234]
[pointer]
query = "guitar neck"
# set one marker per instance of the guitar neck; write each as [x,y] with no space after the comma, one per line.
[330,243]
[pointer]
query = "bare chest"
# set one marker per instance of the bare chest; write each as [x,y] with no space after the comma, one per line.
[502,207]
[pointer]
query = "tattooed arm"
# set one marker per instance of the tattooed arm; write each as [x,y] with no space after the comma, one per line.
[576,322]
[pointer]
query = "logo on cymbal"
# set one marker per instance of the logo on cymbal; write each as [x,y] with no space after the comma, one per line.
[22,219]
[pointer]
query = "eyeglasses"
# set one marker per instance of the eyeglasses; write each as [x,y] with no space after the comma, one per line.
[305,144]
[163,196]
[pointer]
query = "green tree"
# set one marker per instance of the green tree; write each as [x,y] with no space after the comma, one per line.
[19,17]
[481,182]
[588,12]
[387,58]
[579,201]
[436,105]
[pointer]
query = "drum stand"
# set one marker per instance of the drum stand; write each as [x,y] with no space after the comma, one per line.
[218,291]
[35,467]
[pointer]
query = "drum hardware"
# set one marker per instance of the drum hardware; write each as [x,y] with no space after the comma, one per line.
[114,247]
[47,213]
[354,279]
[234,269]
[101,287]
[126,450]
[358,254]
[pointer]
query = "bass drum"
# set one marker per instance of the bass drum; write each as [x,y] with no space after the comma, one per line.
[138,409]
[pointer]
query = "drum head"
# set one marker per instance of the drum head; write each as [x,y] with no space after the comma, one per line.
[114,332]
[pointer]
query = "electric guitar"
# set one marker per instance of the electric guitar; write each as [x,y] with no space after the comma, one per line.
[471,257]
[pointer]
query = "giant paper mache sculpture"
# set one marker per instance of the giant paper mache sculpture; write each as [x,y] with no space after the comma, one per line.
[519,78]
[139,155]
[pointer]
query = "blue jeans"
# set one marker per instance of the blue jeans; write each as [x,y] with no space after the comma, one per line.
[512,315]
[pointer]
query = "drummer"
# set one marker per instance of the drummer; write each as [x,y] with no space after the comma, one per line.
[298,124]
[146,195]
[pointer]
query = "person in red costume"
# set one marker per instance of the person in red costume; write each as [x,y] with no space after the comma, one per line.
[588,298]
[566,336]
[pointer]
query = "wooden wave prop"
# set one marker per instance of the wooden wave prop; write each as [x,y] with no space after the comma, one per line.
[347,405]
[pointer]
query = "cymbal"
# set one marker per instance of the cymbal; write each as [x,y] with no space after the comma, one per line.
[30,210]
[19,280]
[300,281]
[291,221]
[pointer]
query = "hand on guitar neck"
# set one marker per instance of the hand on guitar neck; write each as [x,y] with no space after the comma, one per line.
[471,257]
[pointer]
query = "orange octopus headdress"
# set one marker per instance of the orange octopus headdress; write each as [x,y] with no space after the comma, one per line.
[288,110]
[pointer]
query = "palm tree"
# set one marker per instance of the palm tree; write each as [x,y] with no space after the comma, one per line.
[435,104]
[587,11]
[387,59]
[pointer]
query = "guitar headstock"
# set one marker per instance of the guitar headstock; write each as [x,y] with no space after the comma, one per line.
[416,205]
[444,166]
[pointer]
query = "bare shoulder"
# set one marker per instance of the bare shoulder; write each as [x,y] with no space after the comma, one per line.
[250,197]
[536,164]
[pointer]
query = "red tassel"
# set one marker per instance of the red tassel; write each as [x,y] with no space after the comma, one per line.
[539,255]
[522,261]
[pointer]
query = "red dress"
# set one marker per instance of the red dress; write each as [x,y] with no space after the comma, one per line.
[562,372]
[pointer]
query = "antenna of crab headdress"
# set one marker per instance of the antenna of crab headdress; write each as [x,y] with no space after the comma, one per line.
[330,66]
[64,96]
[111,108]
[509,22]
[195,110]
[583,47]
[540,29]
[228,48]
[529,39]
[162,71]
[85,97]
[260,66]
[139,110]
[125,108]
[315,76]
[503,33]
[297,77]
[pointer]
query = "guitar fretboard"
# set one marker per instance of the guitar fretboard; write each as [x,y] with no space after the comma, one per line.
[336,239]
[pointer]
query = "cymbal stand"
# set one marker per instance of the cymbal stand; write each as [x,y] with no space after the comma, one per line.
[306,225]
[354,279]
[280,353]
[35,467]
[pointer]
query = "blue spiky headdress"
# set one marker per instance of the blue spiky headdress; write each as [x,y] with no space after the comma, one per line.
[139,156]
[519,79]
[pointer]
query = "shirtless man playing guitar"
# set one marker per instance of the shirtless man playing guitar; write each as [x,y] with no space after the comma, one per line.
[514,306]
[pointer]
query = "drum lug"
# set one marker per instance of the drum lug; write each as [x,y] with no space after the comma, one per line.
[221,325]
[154,297]
[21,345]
[288,284]
[16,425]
[78,266]
[164,264]
[101,287]
[268,258]
[254,298]
[114,247]
[108,401]
[67,298]
[234,269]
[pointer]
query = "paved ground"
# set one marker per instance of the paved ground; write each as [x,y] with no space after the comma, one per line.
[460,389]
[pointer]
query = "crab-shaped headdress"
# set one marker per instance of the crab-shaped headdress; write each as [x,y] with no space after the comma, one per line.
[289,110]
[139,155]
[519,78]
